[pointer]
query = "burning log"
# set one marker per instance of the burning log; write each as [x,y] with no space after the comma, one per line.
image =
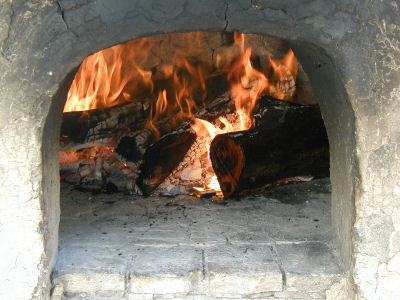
[104,127]
[101,127]
[195,170]
[162,157]
[287,140]
[132,146]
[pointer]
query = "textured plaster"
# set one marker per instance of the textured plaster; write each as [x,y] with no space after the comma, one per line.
[42,41]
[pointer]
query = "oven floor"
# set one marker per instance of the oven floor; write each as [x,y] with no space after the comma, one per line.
[273,245]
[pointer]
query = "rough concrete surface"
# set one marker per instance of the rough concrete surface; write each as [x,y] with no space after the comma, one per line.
[348,48]
[139,248]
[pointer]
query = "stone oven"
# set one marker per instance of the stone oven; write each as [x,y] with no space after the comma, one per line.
[349,49]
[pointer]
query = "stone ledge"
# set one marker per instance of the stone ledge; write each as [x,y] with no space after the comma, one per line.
[150,249]
[242,270]
[309,267]
[160,270]
[92,284]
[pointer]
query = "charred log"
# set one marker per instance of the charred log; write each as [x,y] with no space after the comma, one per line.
[287,140]
[163,156]
[101,127]
[132,147]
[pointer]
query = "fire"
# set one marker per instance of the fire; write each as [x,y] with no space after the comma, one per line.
[207,130]
[246,86]
[68,157]
[283,83]
[177,83]
[214,184]
[160,108]
[108,77]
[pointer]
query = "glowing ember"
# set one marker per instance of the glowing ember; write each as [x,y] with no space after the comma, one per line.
[68,157]
[214,184]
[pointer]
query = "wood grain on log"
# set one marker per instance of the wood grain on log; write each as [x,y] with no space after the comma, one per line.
[287,140]
[101,127]
[160,158]
[131,146]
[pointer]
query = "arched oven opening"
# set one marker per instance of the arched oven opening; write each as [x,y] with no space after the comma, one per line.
[198,163]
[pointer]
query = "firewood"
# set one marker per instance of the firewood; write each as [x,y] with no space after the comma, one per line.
[287,140]
[162,157]
[132,146]
[101,127]
[96,169]
[195,170]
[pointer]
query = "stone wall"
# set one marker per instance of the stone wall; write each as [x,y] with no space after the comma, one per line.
[349,48]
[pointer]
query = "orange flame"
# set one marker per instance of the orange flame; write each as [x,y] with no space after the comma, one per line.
[103,78]
[126,72]
[247,84]
[161,107]
[283,82]
[187,79]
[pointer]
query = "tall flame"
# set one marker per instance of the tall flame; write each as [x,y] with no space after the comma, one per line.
[160,108]
[104,77]
[246,86]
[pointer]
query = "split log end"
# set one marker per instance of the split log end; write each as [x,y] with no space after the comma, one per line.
[228,159]
[161,159]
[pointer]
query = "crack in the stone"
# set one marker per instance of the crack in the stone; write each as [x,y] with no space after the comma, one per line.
[203,264]
[128,275]
[280,266]
[226,16]
[228,242]
[376,283]
[4,56]
[258,7]
[61,12]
